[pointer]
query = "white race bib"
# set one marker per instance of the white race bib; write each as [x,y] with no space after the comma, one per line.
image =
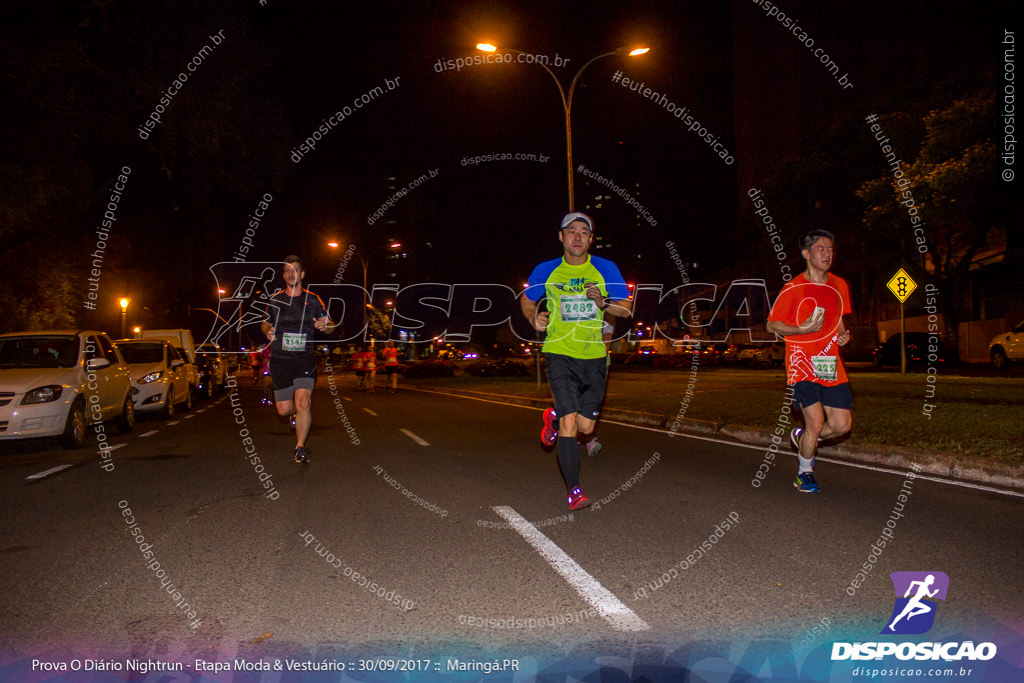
[293,341]
[577,307]
[826,367]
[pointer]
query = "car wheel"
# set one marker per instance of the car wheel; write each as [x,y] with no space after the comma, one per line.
[126,420]
[74,427]
[999,359]
[169,407]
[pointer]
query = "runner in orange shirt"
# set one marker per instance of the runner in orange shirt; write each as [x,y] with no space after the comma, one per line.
[809,315]
[390,354]
[359,358]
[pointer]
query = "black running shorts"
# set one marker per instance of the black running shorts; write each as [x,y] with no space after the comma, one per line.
[289,374]
[577,386]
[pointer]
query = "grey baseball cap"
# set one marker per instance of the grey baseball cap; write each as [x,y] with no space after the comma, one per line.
[578,216]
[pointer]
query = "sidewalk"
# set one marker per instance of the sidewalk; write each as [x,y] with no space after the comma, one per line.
[942,465]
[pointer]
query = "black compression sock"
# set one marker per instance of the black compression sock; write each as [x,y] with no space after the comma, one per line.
[569,460]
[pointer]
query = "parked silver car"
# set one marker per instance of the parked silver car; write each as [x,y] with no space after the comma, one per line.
[159,375]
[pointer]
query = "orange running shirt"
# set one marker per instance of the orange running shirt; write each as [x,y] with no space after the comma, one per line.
[813,357]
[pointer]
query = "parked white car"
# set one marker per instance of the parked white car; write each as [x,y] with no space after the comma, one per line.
[59,382]
[160,379]
[182,341]
[1006,347]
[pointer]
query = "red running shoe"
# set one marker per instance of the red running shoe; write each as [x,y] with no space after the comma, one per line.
[549,434]
[578,500]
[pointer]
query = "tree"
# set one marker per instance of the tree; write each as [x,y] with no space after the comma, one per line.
[948,194]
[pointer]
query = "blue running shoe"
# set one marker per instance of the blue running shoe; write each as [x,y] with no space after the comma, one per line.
[805,483]
[300,456]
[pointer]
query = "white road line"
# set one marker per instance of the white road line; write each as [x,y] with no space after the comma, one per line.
[415,438]
[173,422]
[201,410]
[149,433]
[755,447]
[346,398]
[613,610]
[115,446]
[47,473]
[190,416]
[370,412]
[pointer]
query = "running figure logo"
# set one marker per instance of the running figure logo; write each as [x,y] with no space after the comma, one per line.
[914,613]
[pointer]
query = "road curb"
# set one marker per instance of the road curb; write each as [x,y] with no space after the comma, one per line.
[928,462]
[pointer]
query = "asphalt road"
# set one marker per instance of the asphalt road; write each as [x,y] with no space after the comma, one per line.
[420,507]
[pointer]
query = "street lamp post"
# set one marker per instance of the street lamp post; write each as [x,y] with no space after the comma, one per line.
[124,316]
[567,99]
[365,263]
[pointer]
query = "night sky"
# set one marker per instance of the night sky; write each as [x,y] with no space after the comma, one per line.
[80,79]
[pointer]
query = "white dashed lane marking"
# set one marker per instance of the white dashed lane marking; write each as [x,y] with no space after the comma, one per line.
[415,438]
[54,470]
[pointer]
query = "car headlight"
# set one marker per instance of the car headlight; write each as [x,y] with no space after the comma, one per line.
[47,394]
[151,377]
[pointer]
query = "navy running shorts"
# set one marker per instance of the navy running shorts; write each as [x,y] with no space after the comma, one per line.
[808,393]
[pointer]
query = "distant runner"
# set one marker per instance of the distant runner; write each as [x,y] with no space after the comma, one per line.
[390,354]
[579,288]
[359,360]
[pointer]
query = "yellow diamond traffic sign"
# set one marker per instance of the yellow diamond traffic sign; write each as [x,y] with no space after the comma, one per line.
[901,285]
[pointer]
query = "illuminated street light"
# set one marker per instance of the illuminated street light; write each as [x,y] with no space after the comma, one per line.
[124,316]
[567,100]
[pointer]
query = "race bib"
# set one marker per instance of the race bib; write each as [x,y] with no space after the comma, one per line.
[577,307]
[825,367]
[293,341]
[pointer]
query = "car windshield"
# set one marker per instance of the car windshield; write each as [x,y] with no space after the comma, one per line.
[141,352]
[44,351]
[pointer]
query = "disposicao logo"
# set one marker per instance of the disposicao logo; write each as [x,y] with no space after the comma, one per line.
[914,613]
[916,595]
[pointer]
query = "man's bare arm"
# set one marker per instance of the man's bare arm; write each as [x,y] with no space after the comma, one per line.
[539,321]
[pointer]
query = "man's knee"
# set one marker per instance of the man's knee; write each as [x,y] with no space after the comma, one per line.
[840,424]
[284,408]
[584,426]
[567,424]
